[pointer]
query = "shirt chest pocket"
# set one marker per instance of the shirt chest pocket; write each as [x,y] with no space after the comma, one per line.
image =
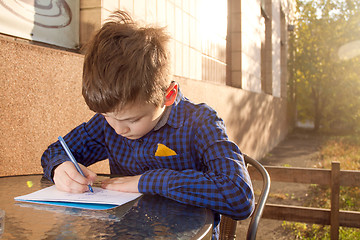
[176,162]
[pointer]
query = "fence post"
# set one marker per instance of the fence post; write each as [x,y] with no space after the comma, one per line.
[335,192]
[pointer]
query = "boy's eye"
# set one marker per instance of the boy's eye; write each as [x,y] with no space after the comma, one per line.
[134,120]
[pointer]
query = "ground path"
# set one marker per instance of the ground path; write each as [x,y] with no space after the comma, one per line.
[299,149]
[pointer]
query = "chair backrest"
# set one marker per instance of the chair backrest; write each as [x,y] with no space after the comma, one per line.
[228,225]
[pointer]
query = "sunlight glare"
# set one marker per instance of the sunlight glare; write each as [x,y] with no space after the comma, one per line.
[349,50]
[213,17]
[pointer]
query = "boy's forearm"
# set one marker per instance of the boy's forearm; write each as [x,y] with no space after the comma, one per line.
[82,144]
[227,194]
[49,162]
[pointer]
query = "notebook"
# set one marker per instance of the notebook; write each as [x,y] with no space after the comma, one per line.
[101,199]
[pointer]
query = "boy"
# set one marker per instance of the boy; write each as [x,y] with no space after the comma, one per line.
[163,143]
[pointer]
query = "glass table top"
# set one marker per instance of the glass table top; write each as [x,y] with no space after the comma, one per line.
[148,217]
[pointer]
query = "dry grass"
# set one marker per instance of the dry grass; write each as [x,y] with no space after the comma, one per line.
[344,149]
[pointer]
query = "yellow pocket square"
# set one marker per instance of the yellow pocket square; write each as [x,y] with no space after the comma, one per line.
[163,151]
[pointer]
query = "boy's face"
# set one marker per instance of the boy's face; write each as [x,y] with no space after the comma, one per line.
[134,120]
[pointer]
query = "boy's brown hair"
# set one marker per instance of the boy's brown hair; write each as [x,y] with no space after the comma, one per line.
[125,63]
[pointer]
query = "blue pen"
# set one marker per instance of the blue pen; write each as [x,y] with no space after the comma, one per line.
[72,158]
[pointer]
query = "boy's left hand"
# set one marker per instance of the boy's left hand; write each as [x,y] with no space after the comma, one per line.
[122,184]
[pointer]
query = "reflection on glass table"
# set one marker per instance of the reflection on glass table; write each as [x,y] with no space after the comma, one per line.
[148,217]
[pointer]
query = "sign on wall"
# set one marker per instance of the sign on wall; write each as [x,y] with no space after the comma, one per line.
[50,21]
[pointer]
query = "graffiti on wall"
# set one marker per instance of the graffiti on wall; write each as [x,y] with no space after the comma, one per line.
[50,21]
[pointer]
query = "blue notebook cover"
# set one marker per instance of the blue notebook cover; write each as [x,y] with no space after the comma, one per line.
[89,206]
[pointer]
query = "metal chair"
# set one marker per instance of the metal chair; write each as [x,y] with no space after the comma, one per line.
[228,225]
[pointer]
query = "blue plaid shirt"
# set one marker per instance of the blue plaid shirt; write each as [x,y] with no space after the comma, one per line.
[208,170]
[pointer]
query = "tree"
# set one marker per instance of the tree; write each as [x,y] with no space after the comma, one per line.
[327,84]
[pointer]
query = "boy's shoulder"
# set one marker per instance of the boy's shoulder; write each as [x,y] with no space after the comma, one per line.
[184,104]
[196,108]
[199,112]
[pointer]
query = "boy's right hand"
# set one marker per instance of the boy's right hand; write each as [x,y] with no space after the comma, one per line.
[68,179]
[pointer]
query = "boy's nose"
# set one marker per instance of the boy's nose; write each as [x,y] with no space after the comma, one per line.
[122,130]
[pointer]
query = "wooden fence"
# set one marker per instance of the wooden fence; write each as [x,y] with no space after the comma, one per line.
[333,177]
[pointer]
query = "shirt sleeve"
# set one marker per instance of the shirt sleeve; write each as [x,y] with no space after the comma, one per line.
[223,186]
[86,143]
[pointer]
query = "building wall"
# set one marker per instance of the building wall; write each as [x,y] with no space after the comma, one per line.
[40,100]
[198,30]
[252,34]
[41,86]
[276,45]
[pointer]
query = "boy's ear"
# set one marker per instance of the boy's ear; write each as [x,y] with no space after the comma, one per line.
[171,94]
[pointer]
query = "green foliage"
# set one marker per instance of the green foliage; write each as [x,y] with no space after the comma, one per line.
[327,84]
[318,232]
[307,231]
[319,197]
